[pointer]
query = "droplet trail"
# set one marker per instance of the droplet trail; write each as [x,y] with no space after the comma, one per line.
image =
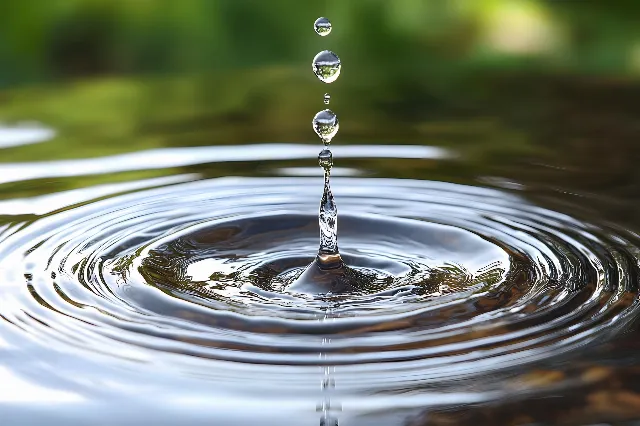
[327,66]
[322,26]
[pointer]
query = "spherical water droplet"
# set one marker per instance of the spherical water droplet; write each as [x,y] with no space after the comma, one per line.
[325,159]
[322,26]
[326,66]
[327,98]
[326,125]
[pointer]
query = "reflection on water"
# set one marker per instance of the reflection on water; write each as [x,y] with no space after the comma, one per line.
[18,390]
[180,157]
[152,229]
[165,278]
[24,134]
[183,289]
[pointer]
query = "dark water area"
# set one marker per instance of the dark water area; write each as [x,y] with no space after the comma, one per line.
[154,227]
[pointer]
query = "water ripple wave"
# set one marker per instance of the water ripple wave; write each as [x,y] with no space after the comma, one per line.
[191,281]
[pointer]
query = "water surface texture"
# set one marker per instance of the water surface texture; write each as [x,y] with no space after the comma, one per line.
[153,232]
[181,291]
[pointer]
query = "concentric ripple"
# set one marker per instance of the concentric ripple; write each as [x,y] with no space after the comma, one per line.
[193,279]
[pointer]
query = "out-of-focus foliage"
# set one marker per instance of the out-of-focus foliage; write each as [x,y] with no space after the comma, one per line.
[62,38]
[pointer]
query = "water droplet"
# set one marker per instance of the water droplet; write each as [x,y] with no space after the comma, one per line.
[326,125]
[327,66]
[325,159]
[327,98]
[322,26]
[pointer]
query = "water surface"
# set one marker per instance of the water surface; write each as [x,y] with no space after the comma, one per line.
[496,262]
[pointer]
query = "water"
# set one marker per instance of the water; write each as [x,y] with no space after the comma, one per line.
[327,274]
[326,125]
[328,210]
[185,288]
[322,27]
[327,66]
[25,134]
[327,99]
[487,273]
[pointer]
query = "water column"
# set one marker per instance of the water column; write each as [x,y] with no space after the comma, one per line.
[326,66]
[328,273]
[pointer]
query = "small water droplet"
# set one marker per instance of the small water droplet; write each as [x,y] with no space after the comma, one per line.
[322,26]
[325,159]
[327,98]
[327,66]
[326,125]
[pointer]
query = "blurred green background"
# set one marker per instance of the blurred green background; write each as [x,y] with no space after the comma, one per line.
[522,89]
[62,39]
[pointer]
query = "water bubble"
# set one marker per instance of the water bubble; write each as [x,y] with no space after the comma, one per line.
[326,125]
[327,98]
[326,66]
[325,159]
[322,26]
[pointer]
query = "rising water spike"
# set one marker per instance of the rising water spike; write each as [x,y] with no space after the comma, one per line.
[328,217]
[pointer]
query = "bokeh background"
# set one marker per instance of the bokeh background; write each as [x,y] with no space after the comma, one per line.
[538,97]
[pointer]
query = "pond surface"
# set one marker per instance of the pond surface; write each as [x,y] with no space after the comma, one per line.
[148,240]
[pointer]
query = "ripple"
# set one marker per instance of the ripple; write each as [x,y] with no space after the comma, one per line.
[178,157]
[24,134]
[192,280]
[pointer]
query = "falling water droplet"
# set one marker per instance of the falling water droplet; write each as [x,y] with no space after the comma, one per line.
[327,66]
[327,98]
[322,26]
[326,125]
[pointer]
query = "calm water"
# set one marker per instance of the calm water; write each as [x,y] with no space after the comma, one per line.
[152,284]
